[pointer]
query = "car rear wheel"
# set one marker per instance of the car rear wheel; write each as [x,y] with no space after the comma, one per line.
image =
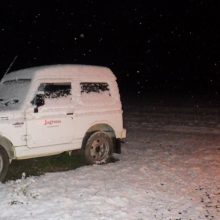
[4,164]
[98,149]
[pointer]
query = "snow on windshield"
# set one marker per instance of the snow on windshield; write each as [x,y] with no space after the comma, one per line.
[13,92]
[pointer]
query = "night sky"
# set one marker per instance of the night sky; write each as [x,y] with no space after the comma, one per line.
[152,46]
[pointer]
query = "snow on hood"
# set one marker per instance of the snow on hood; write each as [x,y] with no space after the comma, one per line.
[13,93]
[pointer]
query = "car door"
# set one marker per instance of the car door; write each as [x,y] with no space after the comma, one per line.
[52,122]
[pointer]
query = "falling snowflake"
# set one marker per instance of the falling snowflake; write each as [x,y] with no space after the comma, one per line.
[82,36]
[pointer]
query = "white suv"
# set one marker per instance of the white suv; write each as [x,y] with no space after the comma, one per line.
[52,109]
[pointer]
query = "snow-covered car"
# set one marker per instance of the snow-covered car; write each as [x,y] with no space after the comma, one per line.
[60,108]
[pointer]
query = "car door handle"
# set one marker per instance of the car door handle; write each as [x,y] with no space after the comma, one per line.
[69,113]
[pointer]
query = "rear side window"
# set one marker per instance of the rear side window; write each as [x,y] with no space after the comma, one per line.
[90,87]
[95,93]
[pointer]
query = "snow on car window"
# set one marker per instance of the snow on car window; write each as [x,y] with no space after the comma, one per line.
[93,93]
[87,87]
[13,93]
[56,93]
[57,90]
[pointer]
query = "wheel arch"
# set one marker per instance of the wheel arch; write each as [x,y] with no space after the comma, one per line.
[98,127]
[8,147]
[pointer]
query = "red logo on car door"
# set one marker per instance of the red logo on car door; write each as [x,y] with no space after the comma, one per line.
[52,122]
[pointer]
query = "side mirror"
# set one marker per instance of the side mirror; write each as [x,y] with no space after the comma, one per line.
[38,101]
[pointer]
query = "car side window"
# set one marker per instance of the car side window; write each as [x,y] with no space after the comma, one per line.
[95,87]
[95,94]
[55,93]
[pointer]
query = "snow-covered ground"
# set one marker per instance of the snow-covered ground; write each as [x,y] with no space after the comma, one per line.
[169,169]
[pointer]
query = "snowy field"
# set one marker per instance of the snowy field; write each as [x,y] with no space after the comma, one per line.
[169,169]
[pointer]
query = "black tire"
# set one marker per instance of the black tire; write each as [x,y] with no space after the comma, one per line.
[98,148]
[4,164]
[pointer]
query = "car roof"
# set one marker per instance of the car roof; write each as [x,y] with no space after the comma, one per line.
[63,71]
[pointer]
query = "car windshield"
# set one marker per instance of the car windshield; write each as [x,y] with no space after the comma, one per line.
[13,93]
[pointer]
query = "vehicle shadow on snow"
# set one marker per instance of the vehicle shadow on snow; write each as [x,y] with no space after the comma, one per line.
[39,166]
[42,165]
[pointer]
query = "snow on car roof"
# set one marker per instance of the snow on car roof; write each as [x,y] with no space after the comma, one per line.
[84,72]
